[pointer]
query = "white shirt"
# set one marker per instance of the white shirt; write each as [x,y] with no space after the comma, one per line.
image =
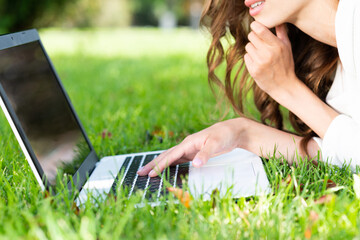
[341,143]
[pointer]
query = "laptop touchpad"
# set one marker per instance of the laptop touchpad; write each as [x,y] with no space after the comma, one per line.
[237,171]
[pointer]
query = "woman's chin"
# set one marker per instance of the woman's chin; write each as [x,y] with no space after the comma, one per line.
[266,22]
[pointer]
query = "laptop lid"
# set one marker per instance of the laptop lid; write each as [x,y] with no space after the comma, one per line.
[40,113]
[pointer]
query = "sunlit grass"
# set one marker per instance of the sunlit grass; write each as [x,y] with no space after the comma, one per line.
[128,82]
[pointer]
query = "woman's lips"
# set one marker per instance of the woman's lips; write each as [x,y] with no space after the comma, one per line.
[255,6]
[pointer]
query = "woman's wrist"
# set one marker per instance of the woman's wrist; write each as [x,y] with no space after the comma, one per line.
[264,140]
[282,94]
[243,126]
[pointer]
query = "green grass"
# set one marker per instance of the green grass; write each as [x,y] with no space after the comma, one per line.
[129,82]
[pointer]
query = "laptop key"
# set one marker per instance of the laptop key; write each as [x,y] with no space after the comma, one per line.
[141,182]
[149,158]
[154,184]
[171,177]
[182,172]
[129,173]
[121,174]
[130,176]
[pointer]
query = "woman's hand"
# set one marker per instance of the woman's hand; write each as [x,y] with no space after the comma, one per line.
[199,147]
[270,62]
[269,59]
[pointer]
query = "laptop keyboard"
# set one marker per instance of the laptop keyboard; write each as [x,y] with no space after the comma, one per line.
[152,187]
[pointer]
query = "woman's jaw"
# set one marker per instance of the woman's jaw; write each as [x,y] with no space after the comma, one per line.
[272,13]
[268,12]
[316,18]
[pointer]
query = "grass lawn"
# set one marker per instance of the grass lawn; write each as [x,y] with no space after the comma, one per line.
[129,82]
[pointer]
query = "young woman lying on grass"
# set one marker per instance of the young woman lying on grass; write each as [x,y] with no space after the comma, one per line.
[310,64]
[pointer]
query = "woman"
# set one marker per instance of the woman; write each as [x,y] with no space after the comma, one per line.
[310,64]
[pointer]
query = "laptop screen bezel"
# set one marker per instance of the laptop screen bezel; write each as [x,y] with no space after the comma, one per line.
[88,165]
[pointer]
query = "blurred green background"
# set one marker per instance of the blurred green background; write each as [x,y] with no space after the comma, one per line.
[17,15]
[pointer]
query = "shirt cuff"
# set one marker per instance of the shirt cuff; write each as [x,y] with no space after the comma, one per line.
[338,142]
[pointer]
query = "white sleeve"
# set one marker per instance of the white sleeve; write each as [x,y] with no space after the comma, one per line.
[356,42]
[341,142]
[347,27]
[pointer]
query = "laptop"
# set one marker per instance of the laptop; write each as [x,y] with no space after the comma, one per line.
[55,143]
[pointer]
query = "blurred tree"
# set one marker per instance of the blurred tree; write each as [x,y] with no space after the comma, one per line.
[95,13]
[195,13]
[148,12]
[18,15]
[144,12]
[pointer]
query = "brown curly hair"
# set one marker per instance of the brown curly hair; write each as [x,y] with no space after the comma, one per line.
[315,63]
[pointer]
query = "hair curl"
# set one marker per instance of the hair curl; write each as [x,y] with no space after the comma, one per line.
[315,63]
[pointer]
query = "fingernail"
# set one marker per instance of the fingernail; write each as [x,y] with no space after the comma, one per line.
[152,173]
[140,169]
[197,162]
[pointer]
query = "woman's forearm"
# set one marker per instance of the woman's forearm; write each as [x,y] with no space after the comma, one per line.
[301,101]
[223,137]
[265,141]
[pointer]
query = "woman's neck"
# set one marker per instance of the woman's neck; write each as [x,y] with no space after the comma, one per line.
[317,19]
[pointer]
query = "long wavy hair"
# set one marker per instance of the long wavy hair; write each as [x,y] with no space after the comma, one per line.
[315,63]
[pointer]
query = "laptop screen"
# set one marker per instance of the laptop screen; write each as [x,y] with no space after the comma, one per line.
[42,109]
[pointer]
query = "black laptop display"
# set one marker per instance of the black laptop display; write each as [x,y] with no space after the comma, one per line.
[42,110]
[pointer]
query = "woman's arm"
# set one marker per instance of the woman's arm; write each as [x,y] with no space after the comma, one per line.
[270,62]
[301,101]
[225,136]
[264,141]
